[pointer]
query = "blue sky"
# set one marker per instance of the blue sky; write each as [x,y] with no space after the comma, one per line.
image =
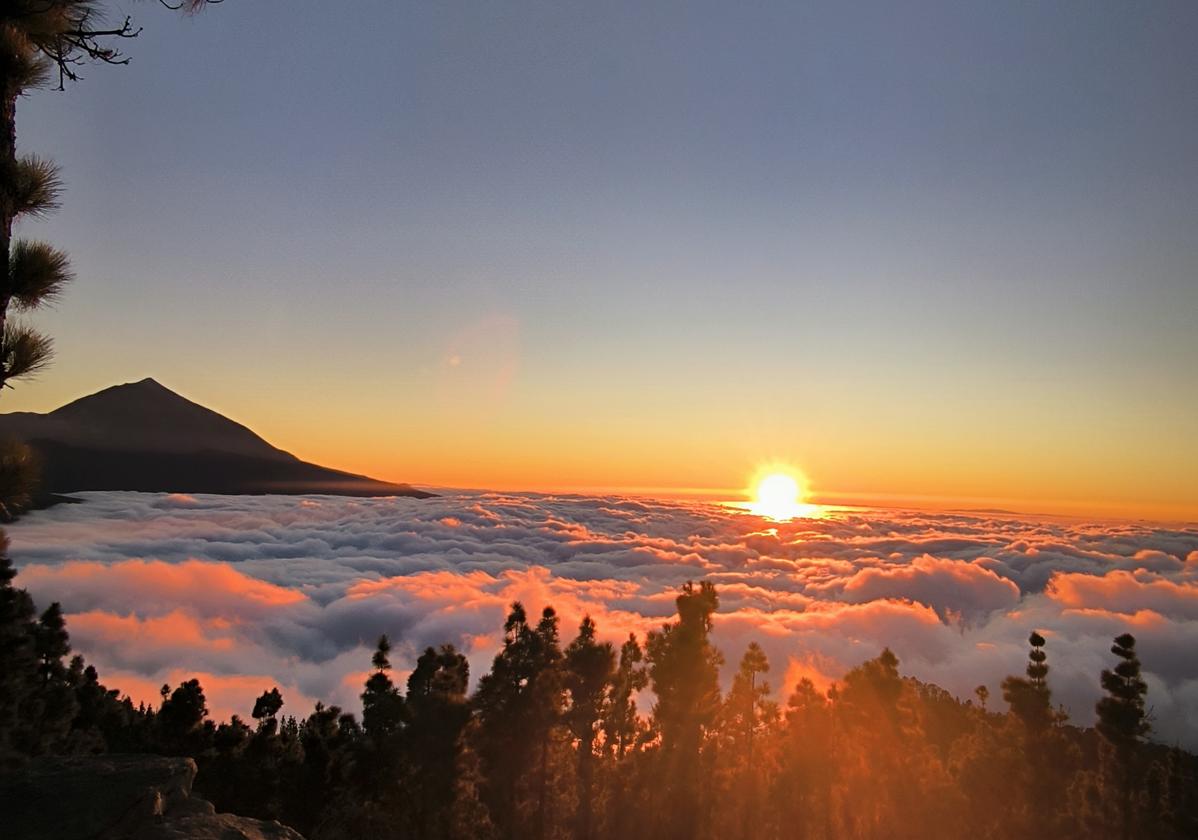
[962,232]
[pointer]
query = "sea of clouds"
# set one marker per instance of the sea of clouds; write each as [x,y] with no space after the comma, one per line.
[249,592]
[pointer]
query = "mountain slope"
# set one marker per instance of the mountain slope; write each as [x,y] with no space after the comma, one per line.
[140,416]
[143,436]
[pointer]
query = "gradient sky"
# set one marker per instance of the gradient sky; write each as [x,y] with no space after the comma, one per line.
[945,251]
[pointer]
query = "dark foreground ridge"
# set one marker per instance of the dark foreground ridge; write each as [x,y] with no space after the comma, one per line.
[141,797]
[143,436]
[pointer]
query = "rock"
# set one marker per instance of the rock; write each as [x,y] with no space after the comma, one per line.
[215,826]
[118,797]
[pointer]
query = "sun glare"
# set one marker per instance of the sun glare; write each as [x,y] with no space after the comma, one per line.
[778,495]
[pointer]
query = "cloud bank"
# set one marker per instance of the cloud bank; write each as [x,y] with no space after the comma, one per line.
[249,592]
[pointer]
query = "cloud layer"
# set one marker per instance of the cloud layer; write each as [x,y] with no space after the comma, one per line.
[247,592]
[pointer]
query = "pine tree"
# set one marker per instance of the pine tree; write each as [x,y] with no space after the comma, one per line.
[380,768]
[95,706]
[183,725]
[1030,698]
[266,710]
[18,661]
[272,752]
[1030,702]
[382,704]
[1123,723]
[1122,719]
[589,671]
[748,712]
[878,742]
[621,721]
[32,273]
[439,676]
[873,688]
[803,789]
[622,729]
[684,672]
[983,695]
[330,741]
[54,705]
[20,476]
[519,706]
[548,703]
[228,777]
[436,702]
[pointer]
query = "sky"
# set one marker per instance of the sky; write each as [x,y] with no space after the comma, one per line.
[248,592]
[940,253]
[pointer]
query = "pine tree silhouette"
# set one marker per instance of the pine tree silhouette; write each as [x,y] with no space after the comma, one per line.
[519,705]
[439,713]
[748,712]
[1030,702]
[1123,722]
[589,670]
[684,673]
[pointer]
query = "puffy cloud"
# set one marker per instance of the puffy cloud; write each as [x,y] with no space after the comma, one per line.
[245,592]
[952,587]
[1127,592]
[154,586]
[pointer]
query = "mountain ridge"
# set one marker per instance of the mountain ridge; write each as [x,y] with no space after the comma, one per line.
[140,416]
[144,436]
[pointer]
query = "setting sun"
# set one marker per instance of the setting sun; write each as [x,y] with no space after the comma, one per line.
[778,495]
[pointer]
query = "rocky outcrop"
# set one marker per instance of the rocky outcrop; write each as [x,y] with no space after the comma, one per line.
[118,797]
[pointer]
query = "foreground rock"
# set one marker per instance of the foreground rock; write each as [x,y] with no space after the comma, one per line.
[118,797]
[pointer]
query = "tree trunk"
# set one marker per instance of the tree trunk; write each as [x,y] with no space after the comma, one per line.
[748,824]
[542,788]
[586,768]
[8,161]
[749,814]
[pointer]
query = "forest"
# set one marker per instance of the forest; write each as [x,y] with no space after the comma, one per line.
[581,739]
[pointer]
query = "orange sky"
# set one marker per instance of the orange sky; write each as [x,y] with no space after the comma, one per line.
[497,430]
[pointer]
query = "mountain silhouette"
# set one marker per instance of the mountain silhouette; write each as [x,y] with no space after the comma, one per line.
[143,436]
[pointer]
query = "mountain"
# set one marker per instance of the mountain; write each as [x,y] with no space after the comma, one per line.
[144,436]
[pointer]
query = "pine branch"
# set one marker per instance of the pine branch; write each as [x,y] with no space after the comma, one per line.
[80,37]
[37,273]
[35,186]
[23,351]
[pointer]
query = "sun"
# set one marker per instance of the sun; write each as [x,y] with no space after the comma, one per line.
[778,494]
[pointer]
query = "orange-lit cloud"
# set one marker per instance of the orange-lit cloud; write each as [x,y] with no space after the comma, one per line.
[951,586]
[156,586]
[225,694]
[1127,592]
[300,589]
